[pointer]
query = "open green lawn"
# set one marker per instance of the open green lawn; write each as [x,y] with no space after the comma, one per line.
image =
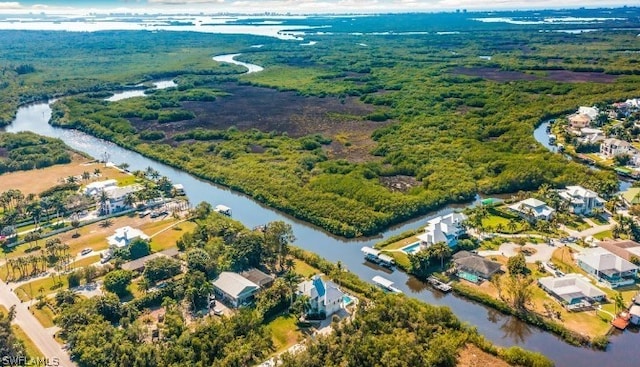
[168,238]
[284,332]
[85,261]
[44,315]
[304,269]
[603,235]
[126,180]
[30,291]
[401,243]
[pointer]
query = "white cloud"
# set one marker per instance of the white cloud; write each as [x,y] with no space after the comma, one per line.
[9,5]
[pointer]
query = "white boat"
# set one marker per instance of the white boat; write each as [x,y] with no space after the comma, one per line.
[222,209]
[385,284]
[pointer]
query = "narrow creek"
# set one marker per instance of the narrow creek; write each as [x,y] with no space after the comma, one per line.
[500,329]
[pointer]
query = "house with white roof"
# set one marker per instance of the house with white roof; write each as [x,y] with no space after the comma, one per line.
[607,268]
[580,200]
[572,290]
[532,209]
[591,112]
[117,198]
[123,237]
[95,188]
[234,289]
[614,147]
[324,296]
[447,228]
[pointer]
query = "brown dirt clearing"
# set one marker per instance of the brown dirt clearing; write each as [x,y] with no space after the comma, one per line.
[472,356]
[265,109]
[37,180]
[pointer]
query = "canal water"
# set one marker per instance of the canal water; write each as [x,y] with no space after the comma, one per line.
[500,329]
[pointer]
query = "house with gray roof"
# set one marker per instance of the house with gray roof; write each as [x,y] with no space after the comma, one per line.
[473,267]
[572,290]
[324,296]
[532,209]
[580,200]
[609,269]
[234,289]
[446,228]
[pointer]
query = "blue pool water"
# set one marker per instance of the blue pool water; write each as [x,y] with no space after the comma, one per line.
[346,300]
[412,248]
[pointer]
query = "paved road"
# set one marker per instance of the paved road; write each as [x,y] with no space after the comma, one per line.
[41,337]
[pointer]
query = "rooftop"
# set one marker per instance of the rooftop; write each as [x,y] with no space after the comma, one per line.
[124,235]
[258,277]
[605,262]
[571,286]
[234,284]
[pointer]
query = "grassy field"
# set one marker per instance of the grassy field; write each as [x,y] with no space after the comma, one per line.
[42,179]
[400,244]
[167,239]
[603,235]
[284,331]
[304,269]
[29,291]
[85,261]
[44,315]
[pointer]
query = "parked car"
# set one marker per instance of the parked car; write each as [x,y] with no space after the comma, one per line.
[85,251]
[217,312]
[105,259]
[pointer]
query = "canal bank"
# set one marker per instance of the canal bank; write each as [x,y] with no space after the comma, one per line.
[499,328]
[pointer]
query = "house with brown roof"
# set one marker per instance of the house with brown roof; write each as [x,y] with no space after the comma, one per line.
[625,249]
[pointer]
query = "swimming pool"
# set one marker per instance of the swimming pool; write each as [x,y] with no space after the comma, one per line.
[346,300]
[412,248]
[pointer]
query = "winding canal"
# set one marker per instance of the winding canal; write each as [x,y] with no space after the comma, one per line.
[502,330]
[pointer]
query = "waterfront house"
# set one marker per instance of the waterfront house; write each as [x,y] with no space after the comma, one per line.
[625,249]
[325,298]
[609,269]
[591,112]
[447,228]
[580,200]
[578,121]
[473,267]
[95,188]
[234,289]
[612,147]
[574,291]
[117,197]
[631,196]
[123,237]
[532,209]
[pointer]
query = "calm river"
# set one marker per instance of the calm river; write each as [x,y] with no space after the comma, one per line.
[502,330]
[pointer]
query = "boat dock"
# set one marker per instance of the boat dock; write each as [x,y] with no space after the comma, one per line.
[437,284]
[375,256]
[621,321]
[385,284]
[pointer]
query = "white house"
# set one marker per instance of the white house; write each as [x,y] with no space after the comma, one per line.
[614,147]
[234,288]
[117,197]
[95,188]
[607,268]
[581,201]
[572,290]
[591,112]
[324,297]
[532,209]
[447,228]
[124,235]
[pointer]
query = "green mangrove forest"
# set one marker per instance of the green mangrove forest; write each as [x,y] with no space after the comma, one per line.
[354,133]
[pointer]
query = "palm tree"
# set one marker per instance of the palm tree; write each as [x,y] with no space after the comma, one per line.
[86,175]
[129,200]
[441,250]
[619,302]
[72,179]
[102,200]
[512,225]
[96,171]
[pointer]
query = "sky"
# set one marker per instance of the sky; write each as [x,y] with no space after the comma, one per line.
[288,6]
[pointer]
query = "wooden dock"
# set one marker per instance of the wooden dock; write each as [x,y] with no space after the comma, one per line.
[437,284]
[621,321]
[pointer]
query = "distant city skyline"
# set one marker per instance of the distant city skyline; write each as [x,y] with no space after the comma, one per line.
[287,6]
